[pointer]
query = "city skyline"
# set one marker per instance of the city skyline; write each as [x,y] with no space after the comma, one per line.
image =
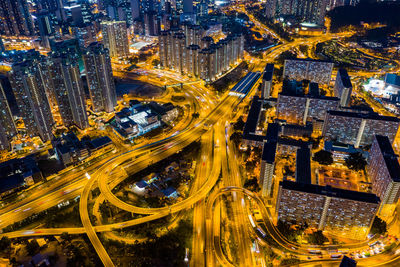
[199,133]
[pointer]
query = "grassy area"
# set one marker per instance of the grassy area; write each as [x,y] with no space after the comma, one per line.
[349,57]
[223,84]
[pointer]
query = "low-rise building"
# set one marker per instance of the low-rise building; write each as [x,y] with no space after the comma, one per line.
[70,149]
[136,120]
[18,173]
[168,112]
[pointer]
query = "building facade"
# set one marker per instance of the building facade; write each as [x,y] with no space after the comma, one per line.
[358,129]
[342,212]
[28,86]
[68,90]
[384,170]
[266,85]
[304,69]
[15,18]
[115,38]
[7,125]
[188,53]
[100,78]
[299,109]
[343,87]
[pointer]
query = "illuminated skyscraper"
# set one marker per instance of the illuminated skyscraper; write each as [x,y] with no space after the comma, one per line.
[306,10]
[384,170]
[115,38]
[15,18]
[7,126]
[68,91]
[343,87]
[27,81]
[99,78]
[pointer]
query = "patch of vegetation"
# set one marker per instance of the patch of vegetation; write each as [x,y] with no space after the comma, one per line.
[317,238]
[323,157]
[379,227]
[167,250]
[52,217]
[290,261]
[252,184]
[356,162]
[222,84]
[178,98]
[386,12]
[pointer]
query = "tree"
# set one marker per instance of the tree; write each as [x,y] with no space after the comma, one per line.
[289,232]
[379,226]
[252,184]
[155,62]
[32,247]
[323,157]
[356,161]
[5,244]
[317,238]
[239,124]
[236,138]
[65,236]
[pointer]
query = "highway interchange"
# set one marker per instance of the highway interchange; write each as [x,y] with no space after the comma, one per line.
[217,159]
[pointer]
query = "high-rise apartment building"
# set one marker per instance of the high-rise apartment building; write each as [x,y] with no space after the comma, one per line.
[68,90]
[342,212]
[270,8]
[267,167]
[211,59]
[7,125]
[304,69]
[191,60]
[152,24]
[299,109]
[384,170]
[267,81]
[358,129]
[15,18]
[343,87]
[307,10]
[115,38]
[100,78]
[27,81]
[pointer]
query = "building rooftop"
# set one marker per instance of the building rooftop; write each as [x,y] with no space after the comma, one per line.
[308,60]
[268,72]
[11,182]
[252,118]
[347,262]
[313,89]
[273,131]
[292,142]
[269,151]
[345,78]
[303,165]
[330,191]
[372,116]
[100,142]
[391,161]
[392,79]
